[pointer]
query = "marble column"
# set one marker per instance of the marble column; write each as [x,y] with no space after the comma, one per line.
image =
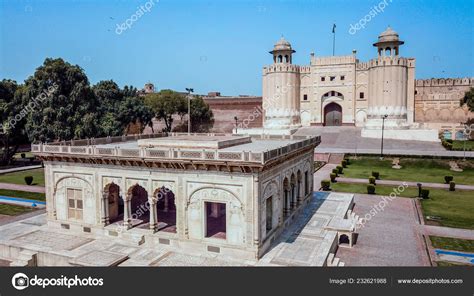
[127,215]
[287,202]
[166,203]
[153,216]
[299,196]
[293,196]
[105,209]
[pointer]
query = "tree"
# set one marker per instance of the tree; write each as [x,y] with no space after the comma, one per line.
[165,104]
[202,118]
[468,99]
[133,111]
[12,112]
[68,106]
[120,108]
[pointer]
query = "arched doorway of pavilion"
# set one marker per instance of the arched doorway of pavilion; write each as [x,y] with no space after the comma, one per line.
[114,202]
[139,205]
[166,209]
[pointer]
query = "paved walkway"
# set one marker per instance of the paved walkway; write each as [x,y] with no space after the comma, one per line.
[390,238]
[29,188]
[348,140]
[19,169]
[322,173]
[448,232]
[394,235]
[396,183]
[5,219]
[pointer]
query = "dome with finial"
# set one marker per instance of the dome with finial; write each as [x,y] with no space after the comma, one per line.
[389,35]
[282,45]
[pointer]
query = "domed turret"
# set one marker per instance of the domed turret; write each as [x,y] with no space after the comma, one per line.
[282,51]
[388,43]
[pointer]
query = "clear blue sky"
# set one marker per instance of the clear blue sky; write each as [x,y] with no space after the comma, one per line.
[222,45]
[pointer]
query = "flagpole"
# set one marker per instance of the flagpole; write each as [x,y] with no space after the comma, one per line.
[334,40]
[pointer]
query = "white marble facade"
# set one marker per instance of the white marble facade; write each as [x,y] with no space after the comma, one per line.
[245,196]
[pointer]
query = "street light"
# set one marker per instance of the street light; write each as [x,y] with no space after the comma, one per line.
[383,126]
[189,90]
[236,123]
[465,137]
[419,188]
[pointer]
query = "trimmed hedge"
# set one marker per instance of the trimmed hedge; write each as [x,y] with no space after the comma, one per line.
[425,193]
[376,175]
[372,180]
[447,145]
[339,169]
[29,180]
[452,186]
[371,189]
[333,177]
[326,185]
[448,179]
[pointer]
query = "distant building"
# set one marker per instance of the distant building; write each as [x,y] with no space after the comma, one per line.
[341,90]
[247,109]
[437,104]
[149,88]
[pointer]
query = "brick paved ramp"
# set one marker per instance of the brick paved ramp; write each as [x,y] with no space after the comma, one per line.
[390,238]
[350,138]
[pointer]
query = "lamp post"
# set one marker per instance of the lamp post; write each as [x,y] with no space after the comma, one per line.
[465,136]
[236,123]
[189,90]
[383,127]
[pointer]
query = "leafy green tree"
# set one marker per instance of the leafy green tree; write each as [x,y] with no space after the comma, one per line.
[134,111]
[118,108]
[12,124]
[68,106]
[202,118]
[468,99]
[165,104]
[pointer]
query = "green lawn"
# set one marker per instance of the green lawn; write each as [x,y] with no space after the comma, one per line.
[460,145]
[19,177]
[416,170]
[23,194]
[27,155]
[455,208]
[450,264]
[13,210]
[455,244]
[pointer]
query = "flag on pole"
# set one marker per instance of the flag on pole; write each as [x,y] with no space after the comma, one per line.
[334,28]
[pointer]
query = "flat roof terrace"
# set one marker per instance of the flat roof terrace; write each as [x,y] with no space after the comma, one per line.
[196,141]
[182,146]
